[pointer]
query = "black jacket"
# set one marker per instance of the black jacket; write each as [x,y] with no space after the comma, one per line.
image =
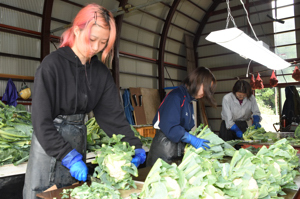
[63,86]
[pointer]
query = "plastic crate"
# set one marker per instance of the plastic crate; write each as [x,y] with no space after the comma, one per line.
[146,131]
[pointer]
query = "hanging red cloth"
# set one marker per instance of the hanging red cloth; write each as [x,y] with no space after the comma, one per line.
[296,74]
[258,82]
[273,80]
[252,82]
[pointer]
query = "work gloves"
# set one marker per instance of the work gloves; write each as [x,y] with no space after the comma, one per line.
[256,120]
[139,157]
[237,131]
[194,141]
[78,169]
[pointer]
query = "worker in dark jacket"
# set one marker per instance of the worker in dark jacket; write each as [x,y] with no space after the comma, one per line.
[175,117]
[69,83]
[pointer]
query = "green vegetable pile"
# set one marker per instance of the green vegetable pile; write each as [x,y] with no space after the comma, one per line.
[248,176]
[15,134]
[296,139]
[258,134]
[147,141]
[96,136]
[163,181]
[297,132]
[218,147]
[95,191]
[114,163]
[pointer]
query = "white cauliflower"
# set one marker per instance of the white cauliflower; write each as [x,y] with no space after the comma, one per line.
[277,166]
[252,185]
[114,167]
[176,188]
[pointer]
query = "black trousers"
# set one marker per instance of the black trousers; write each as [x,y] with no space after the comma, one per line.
[227,134]
[44,171]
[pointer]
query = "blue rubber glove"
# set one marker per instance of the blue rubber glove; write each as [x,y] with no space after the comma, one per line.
[78,169]
[237,131]
[139,157]
[256,120]
[194,141]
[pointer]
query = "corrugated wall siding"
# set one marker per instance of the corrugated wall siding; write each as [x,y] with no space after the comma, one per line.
[18,45]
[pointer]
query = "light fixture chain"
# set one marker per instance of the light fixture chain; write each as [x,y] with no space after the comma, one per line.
[229,16]
[249,20]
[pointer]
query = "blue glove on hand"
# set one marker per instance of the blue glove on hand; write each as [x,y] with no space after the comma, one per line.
[139,157]
[194,141]
[256,120]
[78,169]
[237,131]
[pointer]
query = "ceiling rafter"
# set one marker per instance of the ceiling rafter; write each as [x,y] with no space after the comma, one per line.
[213,6]
[116,63]
[197,6]
[45,31]
[162,46]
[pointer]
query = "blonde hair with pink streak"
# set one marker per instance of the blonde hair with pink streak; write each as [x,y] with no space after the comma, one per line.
[86,19]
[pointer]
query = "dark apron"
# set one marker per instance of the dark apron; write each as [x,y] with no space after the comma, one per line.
[165,149]
[44,171]
[227,134]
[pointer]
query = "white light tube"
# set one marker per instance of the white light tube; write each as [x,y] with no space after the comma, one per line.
[236,40]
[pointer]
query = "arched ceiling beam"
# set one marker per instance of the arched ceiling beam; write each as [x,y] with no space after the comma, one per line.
[161,81]
[45,33]
[213,6]
[197,6]
[115,64]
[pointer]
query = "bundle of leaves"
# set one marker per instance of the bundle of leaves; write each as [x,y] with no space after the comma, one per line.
[201,177]
[218,147]
[163,181]
[95,191]
[147,141]
[297,132]
[114,163]
[15,134]
[96,136]
[258,134]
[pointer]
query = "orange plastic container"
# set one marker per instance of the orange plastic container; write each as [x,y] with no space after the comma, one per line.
[146,131]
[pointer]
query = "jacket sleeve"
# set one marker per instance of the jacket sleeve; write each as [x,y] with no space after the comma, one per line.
[169,115]
[43,109]
[226,112]
[110,115]
[254,107]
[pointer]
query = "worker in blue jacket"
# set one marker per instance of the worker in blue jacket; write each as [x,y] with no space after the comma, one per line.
[175,117]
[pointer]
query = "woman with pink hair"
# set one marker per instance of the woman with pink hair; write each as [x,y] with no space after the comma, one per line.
[69,83]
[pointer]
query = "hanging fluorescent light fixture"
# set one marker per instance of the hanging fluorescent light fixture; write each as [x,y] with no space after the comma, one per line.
[236,40]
